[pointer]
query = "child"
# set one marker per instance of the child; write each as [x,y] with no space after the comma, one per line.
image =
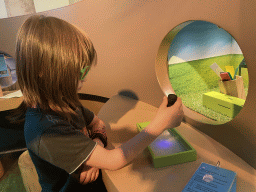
[66,141]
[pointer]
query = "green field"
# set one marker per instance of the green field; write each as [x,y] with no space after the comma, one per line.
[191,79]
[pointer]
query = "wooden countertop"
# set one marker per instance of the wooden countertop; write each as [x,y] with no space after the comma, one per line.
[121,114]
[10,103]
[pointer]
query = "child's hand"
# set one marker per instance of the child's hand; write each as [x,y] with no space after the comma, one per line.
[88,175]
[169,117]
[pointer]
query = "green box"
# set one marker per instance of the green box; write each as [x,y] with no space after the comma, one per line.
[222,103]
[170,148]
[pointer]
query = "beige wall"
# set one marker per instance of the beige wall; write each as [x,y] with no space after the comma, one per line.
[127,36]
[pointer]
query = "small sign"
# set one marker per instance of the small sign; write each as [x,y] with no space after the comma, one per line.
[211,179]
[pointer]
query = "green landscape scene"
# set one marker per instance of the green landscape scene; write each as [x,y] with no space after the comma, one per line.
[190,80]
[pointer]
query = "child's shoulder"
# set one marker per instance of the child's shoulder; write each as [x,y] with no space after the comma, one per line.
[45,117]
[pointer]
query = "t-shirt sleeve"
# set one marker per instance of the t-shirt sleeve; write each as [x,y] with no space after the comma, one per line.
[65,147]
[88,116]
[96,132]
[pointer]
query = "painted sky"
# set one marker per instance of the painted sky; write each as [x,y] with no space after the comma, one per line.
[200,40]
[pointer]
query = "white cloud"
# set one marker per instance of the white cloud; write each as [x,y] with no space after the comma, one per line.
[175,60]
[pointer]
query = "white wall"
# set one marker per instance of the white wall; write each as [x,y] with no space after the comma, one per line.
[11,8]
[44,5]
[3,12]
[19,7]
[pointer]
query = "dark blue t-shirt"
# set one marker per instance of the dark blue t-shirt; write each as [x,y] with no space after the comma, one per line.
[56,147]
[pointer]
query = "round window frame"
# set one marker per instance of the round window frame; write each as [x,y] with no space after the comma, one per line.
[161,70]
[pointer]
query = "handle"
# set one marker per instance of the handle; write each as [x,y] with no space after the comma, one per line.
[172,98]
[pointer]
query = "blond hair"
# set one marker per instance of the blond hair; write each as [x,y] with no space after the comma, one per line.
[50,54]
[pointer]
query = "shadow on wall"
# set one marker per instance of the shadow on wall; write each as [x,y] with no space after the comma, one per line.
[121,110]
[117,112]
[128,93]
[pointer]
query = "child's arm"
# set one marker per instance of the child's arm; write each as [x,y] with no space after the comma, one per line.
[98,130]
[86,174]
[166,117]
[99,142]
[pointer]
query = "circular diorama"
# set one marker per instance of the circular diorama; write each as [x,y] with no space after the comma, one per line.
[206,68]
[8,77]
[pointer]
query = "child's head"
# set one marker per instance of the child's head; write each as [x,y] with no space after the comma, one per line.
[50,54]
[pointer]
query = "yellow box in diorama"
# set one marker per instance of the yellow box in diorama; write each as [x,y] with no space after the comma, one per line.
[222,103]
[233,88]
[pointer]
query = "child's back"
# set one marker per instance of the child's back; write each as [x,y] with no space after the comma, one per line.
[56,147]
[50,54]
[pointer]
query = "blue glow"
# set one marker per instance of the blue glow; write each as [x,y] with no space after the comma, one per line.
[163,144]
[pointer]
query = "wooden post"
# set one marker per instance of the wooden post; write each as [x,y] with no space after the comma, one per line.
[240,87]
[1,92]
[1,170]
[1,166]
